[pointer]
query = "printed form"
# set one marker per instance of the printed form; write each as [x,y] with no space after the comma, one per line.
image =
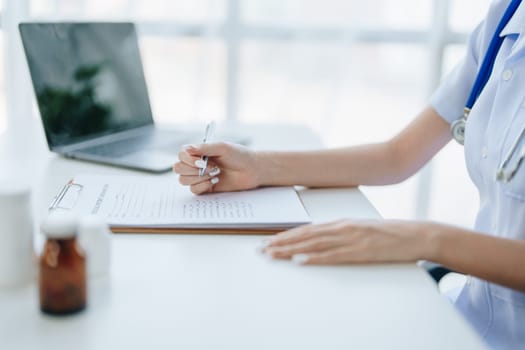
[135,201]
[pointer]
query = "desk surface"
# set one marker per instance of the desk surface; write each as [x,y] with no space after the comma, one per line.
[217,292]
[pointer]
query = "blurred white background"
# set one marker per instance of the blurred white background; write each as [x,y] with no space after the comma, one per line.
[354,71]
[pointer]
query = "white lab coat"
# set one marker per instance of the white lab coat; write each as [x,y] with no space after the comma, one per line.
[497,313]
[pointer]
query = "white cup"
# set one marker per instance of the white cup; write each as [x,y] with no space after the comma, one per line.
[17,262]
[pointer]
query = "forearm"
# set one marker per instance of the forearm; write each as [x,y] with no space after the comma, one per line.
[374,164]
[491,258]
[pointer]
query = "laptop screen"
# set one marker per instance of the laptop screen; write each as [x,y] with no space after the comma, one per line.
[88,79]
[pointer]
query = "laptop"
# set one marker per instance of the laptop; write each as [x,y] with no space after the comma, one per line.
[92,96]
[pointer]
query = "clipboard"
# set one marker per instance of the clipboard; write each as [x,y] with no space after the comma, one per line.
[196,231]
[95,194]
[57,201]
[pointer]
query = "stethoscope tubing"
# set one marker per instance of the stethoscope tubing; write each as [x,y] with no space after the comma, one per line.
[459,125]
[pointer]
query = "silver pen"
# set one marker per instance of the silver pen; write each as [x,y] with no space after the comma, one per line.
[210,128]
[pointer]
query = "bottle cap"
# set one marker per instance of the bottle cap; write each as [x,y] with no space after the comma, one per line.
[59,224]
[92,224]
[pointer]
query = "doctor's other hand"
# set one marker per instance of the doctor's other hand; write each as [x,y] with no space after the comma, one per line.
[354,242]
[231,167]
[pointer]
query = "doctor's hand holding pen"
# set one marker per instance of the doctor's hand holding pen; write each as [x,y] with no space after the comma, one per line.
[228,167]
[232,167]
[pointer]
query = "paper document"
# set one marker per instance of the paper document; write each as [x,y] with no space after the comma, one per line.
[148,202]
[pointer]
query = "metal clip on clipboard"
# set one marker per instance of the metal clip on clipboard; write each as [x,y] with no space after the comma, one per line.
[71,192]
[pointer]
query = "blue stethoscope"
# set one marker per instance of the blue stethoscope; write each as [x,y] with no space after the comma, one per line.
[458,126]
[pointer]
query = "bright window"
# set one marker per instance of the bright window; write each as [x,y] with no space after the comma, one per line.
[338,13]
[186,78]
[3,110]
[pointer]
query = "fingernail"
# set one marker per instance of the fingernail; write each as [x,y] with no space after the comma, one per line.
[214,180]
[215,172]
[189,146]
[300,259]
[199,163]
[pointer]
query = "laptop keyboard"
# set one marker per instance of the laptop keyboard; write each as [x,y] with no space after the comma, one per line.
[159,141]
[116,149]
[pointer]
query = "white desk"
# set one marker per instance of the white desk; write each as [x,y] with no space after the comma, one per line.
[216,292]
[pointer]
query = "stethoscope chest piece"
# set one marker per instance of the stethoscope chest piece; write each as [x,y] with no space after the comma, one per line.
[458,129]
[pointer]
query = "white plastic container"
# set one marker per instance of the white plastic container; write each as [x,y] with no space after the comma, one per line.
[17,258]
[95,239]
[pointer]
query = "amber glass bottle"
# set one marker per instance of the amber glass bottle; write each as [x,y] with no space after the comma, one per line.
[62,277]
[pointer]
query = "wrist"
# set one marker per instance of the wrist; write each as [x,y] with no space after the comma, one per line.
[262,168]
[432,241]
[270,170]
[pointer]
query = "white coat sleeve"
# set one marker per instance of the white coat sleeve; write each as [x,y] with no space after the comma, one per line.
[451,96]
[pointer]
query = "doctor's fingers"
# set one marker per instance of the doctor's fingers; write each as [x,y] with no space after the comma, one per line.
[313,245]
[204,186]
[303,233]
[188,159]
[187,170]
[337,256]
[190,180]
